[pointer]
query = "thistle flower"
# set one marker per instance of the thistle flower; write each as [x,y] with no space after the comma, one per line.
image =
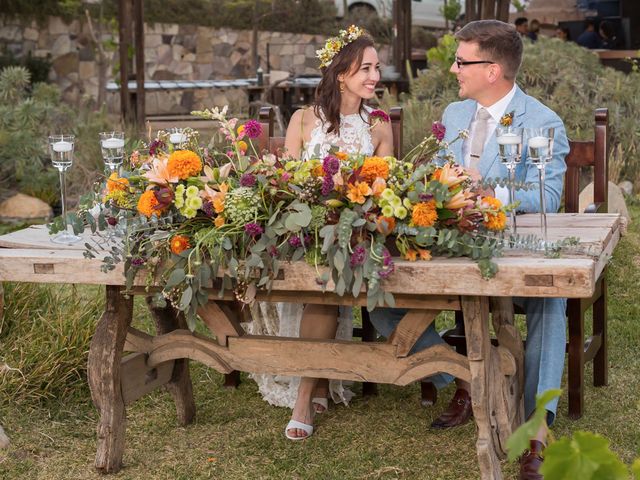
[331,165]
[253,229]
[358,256]
[295,241]
[327,185]
[438,130]
[247,180]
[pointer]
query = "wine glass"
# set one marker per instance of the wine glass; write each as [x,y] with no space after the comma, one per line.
[61,152]
[509,141]
[540,151]
[112,147]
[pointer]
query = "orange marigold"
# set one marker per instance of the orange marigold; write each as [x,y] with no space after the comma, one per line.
[184,164]
[424,214]
[115,183]
[147,204]
[411,255]
[492,202]
[385,225]
[496,222]
[374,167]
[179,243]
[342,156]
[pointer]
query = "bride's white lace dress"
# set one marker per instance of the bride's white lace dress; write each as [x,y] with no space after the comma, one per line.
[283,319]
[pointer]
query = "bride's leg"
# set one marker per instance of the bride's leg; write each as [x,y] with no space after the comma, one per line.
[318,321]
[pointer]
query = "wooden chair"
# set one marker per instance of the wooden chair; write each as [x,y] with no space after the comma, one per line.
[272,144]
[582,154]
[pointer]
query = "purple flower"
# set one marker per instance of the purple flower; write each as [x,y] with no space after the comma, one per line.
[247,180]
[253,229]
[207,208]
[327,185]
[113,221]
[137,262]
[358,256]
[388,265]
[154,146]
[308,238]
[381,114]
[438,130]
[330,165]
[252,129]
[425,197]
[295,241]
[273,251]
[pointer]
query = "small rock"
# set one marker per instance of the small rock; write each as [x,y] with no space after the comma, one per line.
[4,440]
[627,187]
[24,207]
[616,203]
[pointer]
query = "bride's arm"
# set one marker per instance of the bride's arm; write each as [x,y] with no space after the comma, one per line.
[383,131]
[293,140]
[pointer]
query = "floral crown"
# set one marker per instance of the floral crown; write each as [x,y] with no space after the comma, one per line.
[337,43]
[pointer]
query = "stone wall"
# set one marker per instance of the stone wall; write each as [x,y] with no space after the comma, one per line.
[172,52]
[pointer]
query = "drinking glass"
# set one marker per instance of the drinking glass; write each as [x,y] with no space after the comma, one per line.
[540,151]
[177,137]
[61,152]
[112,147]
[509,141]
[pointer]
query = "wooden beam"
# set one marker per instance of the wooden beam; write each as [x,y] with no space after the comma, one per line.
[138,378]
[410,328]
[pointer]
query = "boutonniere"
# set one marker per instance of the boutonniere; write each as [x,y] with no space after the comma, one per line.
[507,119]
[378,116]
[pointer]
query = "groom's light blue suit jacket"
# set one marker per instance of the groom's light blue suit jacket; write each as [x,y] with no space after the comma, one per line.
[528,113]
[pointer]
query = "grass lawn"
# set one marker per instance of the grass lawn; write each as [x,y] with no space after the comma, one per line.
[47,411]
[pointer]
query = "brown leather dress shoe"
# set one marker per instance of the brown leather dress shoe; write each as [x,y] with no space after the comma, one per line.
[457,413]
[531,460]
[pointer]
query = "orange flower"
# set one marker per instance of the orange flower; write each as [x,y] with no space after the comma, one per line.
[496,221]
[216,198]
[147,204]
[460,200]
[242,146]
[115,183]
[179,243]
[411,255]
[491,202]
[378,186]
[374,167]
[358,192]
[385,225]
[424,254]
[342,156]
[451,175]
[184,164]
[159,172]
[317,171]
[424,214]
[241,130]
[219,221]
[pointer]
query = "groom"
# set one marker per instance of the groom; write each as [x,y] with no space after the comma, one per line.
[486,64]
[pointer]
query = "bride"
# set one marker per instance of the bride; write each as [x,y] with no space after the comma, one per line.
[337,120]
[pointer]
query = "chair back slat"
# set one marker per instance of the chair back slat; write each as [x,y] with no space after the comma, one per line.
[592,153]
[395,115]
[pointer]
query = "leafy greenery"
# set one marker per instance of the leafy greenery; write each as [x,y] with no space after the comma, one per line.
[28,113]
[564,76]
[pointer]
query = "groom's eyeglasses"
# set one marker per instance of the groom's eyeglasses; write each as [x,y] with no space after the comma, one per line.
[462,63]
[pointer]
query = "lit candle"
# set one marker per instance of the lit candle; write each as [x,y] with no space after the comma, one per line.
[538,142]
[113,143]
[177,137]
[62,146]
[509,139]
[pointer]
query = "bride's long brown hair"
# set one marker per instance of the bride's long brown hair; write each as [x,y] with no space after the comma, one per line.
[327,99]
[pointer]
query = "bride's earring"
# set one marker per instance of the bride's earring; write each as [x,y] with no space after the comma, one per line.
[341,87]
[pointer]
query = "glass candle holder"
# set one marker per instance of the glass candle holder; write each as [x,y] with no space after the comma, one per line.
[61,153]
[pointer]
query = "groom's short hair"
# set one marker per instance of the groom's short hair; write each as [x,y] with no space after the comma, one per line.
[499,41]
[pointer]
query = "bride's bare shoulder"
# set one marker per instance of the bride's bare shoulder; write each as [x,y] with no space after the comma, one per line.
[305,116]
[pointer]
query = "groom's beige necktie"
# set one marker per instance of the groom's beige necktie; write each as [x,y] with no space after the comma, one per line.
[479,137]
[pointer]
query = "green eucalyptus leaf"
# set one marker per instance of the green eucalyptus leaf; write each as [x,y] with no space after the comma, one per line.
[185,299]
[175,278]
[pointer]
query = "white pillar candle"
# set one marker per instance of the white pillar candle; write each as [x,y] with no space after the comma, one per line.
[538,142]
[509,139]
[62,146]
[177,138]
[113,143]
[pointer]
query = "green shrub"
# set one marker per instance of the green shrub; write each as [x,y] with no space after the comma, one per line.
[28,114]
[38,67]
[564,76]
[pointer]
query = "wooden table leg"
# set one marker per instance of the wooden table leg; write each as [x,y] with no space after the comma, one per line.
[476,322]
[105,355]
[168,319]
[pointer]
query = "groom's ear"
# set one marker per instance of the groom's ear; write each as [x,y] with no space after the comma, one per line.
[495,72]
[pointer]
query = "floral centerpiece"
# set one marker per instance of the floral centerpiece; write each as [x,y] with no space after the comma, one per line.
[194,215]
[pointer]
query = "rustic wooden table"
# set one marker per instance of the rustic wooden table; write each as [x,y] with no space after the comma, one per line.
[426,288]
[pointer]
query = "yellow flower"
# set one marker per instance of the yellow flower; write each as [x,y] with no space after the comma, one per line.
[358,192]
[219,221]
[184,164]
[374,167]
[496,221]
[342,156]
[424,214]
[424,254]
[241,130]
[242,146]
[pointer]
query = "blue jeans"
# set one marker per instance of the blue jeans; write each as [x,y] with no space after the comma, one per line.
[544,353]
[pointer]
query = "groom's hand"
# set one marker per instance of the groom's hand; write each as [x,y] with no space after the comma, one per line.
[476,177]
